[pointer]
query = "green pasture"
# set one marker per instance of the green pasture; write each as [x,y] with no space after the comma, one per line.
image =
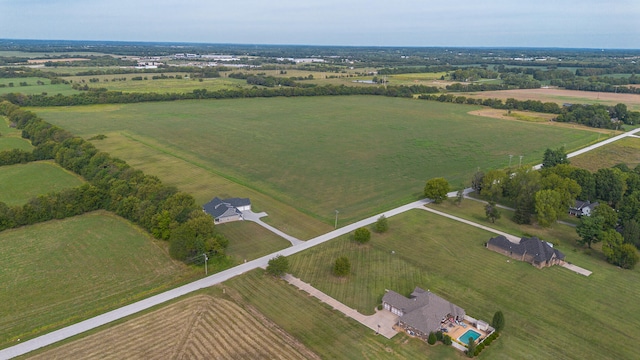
[11,138]
[33,87]
[60,272]
[625,151]
[327,332]
[550,313]
[357,154]
[26,54]
[21,182]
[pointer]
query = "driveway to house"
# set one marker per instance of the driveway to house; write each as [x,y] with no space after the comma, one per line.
[381,322]
[255,217]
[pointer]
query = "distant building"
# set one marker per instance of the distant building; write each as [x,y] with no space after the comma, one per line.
[582,208]
[227,210]
[532,250]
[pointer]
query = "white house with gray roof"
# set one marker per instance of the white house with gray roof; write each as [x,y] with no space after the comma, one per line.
[227,210]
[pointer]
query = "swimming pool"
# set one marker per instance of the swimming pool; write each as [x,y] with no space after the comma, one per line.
[469,334]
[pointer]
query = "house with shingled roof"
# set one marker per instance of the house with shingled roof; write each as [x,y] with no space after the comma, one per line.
[422,312]
[226,210]
[532,250]
[582,208]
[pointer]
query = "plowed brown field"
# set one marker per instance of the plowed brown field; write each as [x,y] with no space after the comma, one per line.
[199,327]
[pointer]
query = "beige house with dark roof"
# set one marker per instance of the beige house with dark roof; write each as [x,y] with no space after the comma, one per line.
[423,312]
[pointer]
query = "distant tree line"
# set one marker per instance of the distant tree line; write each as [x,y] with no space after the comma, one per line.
[113,185]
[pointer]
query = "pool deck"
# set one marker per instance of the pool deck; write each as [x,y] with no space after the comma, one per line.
[455,331]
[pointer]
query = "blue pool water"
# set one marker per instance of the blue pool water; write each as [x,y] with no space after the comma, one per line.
[469,334]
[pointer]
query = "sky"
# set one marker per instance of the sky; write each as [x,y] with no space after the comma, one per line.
[462,23]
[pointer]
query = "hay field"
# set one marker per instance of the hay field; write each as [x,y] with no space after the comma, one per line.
[33,87]
[562,96]
[625,151]
[59,272]
[198,327]
[358,154]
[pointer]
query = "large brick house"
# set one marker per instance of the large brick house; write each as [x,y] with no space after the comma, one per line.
[422,312]
[532,250]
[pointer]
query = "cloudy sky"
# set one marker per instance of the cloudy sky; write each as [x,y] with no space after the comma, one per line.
[526,23]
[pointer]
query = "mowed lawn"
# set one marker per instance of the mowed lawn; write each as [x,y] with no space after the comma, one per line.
[327,332]
[625,151]
[21,182]
[551,313]
[357,154]
[56,273]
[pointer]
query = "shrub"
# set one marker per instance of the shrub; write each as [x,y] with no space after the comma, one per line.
[439,335]
[278,266]
[498,321]
[362,235]
[382,224]
[432,338]
[342,266]
[446,339]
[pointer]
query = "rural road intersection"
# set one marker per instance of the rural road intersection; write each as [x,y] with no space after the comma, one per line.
[298,246]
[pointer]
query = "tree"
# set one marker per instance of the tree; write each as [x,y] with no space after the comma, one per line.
[492,212]
[436,189]
[382,224]
[471,348]
[631,232]
[554,157]
[498,321]
[278,266]
[459,196]
[446,339]
[493,183]
[431,340]
[608,215]
[476,181]
[628,256]
[362,235]
[610,185]
[342,266]
[548,204]
[590,230]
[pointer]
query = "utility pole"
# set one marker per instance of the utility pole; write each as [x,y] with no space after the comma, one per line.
[510,156]
[336,225]
[206,259]
[520,161]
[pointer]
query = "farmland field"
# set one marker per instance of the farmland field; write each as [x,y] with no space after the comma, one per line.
[550,313]
[625,151]
[21,182]
[11,138]
[199,326]
[562,96]
[357,154]
[158,86]
[59,272]
[33,87]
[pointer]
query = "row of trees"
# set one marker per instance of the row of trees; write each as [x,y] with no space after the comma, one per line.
[113,185]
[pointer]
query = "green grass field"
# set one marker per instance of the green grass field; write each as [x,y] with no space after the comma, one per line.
[360,155]
[59,272]
[34,88]
[250,241]
[550,313]
[21,182]
[327,332]
[12,138]
[625,151]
